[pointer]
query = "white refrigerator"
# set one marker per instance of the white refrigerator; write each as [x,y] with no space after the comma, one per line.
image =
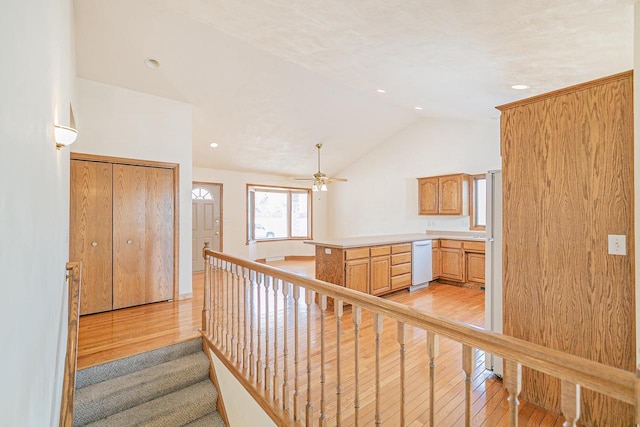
[493,264]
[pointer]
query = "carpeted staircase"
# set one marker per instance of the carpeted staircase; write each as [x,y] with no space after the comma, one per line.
[165,387]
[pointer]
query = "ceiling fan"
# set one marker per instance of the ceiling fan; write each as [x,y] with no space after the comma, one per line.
[319,179]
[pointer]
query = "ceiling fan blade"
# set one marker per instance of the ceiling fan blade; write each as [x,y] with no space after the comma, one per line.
[303,179]
[335,180]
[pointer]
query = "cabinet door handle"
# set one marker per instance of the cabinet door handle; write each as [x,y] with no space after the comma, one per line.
[129,242]
[94,244]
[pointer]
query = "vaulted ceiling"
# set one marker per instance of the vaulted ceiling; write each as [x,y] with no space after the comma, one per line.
[268,79]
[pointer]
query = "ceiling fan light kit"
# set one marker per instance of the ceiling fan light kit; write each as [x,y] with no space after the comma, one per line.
[319,179]
[319,186]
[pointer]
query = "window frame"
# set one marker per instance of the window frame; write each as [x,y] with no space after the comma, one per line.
[250,213]
[472,202]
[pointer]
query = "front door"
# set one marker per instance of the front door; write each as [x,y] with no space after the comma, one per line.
[206,220]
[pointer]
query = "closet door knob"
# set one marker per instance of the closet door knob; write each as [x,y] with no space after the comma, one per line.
[217,233]
[129,242]
[94,244]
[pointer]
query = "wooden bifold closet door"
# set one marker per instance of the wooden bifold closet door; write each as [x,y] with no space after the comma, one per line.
[142,235]
[90,232]
[122,229]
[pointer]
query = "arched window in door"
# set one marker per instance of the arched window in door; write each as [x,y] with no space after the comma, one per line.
[200,194]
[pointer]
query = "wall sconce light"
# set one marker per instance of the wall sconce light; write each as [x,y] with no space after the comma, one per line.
[64,136]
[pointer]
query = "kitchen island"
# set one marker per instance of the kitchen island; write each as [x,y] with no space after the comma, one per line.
[378,265]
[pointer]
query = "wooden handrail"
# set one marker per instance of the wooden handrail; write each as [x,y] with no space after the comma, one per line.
[230,273]
[614,382]
[74,279]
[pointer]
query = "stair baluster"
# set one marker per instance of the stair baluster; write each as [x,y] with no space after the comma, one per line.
[377,330]
[432,353]
[323,312]
[285,350]
[356,315]
[402,340]
[296,353]
[276,287]
[338,309]
[467,367]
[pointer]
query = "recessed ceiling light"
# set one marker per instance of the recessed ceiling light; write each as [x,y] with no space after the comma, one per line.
[213,145]
[520,87]
[381,91]
[152,64]
[417,108]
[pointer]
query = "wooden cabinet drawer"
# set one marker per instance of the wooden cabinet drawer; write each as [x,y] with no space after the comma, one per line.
[473,246]
[454,244]
[402,281]
[356,253]
[380,250]
[400,258]
[399,249]
[397,270]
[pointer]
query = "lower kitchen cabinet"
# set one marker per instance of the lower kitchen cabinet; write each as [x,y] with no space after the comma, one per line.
[436,259]
[356,275]
[460,261]
[380,278]
[475,268]
[452,260]
[474,261]
[380,268]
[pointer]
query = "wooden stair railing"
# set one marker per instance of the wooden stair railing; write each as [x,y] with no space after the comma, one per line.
[248,298]
[74,279]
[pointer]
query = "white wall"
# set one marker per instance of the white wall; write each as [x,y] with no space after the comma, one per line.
[36,83]
[381,196]
[636,168]
[123,123]
[234,221]
[241,407]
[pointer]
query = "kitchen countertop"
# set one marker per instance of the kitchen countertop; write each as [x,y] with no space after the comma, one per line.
[457,235]
[355,242]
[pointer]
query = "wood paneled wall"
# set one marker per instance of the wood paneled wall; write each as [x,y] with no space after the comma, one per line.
[567,160]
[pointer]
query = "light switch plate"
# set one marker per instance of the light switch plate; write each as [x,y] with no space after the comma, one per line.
[327,251]
[617,244]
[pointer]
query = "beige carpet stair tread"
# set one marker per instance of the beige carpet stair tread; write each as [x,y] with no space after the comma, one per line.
[211,420]
[175,409]
[106,398]
[117,368]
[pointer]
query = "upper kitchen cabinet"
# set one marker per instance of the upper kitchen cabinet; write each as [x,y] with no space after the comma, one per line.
[443,195]
[428,196]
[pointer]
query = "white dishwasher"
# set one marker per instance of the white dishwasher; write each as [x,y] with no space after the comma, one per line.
[421,265]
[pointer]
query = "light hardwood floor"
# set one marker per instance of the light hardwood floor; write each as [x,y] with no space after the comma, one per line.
[109,336]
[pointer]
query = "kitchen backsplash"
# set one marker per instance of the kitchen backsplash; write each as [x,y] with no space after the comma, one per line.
[448,223]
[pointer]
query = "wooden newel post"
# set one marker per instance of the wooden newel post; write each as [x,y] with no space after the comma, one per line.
[206,307]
